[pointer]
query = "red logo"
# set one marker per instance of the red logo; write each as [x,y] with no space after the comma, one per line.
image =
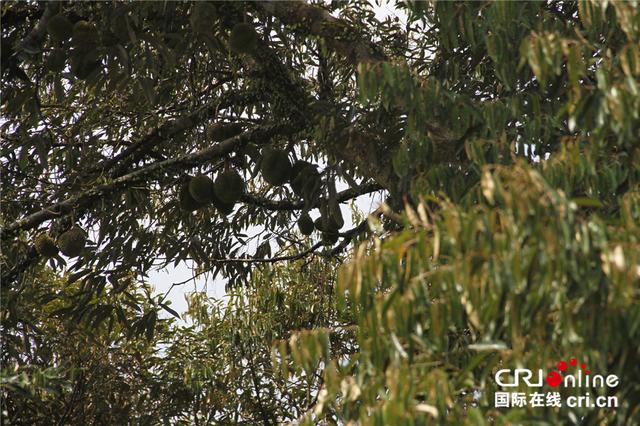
[554,378]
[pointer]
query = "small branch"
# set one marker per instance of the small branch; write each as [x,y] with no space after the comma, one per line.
[256,387]
[297,256]
[348,235]
[284,205]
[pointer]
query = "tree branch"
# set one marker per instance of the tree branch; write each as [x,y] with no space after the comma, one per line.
[82,200]
[136,151]
[296,256]
[284,205]
[31,43]
[348,236]
[338,35]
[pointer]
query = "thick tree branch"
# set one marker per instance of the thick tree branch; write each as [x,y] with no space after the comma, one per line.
[83,200]
[34,39]
[122,162]
[338,35]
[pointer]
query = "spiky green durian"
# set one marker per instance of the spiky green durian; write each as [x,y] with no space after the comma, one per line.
[221,206]
[305,224]
[330,238]
[275,167]
[201,188]
[71,242]
[45,246]
[327,223]
[85,34]
[305,179]
[229,187]
[56,60]
[187,202]
[59,27]
[83,63]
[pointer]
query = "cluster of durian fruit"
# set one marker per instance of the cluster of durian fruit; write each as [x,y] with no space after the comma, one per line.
[82,53]
[70,243]
[223,194]
[86,40]
[306,182]
[276,169]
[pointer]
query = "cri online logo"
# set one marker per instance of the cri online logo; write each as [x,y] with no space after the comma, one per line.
[554,378]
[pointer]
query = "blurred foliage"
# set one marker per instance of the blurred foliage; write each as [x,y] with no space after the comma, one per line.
[506,134]
[214,367]
[81,369]
[522,279]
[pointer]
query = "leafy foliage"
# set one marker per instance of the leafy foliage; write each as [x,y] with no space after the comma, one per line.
[80,368]
[443,306]
[504,135]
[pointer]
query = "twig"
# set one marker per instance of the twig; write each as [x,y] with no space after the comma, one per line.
[273,259]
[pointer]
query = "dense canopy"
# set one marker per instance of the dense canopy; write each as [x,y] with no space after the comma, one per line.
[503,139]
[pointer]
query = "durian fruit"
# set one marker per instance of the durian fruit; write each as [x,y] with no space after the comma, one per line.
[202,17]
[328,221]
[304,178]
[187,202]
[305,224]
[330,238]
[83,63]
[59,27]
[201,188]
[85,34]
[224,208]
[335,214]
[250,152]
[56,60]
[46,246]
[312,186]
[243,39]
[298,166]
[229,187]
[275,167]
[307,184]
[324,224]
[72,242]
[221,131]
